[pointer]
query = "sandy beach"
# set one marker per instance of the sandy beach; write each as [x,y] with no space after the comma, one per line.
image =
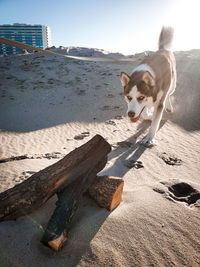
[49,105]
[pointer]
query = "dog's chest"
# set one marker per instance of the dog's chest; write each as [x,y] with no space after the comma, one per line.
[150,103]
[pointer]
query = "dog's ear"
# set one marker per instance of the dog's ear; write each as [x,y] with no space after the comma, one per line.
[148,79]
[124,79]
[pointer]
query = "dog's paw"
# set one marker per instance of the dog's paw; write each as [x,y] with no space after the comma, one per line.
[148,141]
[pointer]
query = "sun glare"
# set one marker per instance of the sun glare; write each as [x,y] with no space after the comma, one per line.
[185,19]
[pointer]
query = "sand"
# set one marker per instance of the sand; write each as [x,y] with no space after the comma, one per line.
[50,105]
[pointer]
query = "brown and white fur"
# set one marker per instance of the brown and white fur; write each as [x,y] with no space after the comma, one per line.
[147,90]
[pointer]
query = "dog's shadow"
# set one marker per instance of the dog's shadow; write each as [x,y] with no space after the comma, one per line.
[131,149]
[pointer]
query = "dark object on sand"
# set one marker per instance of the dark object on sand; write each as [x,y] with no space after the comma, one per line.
[69,178]
[170,159]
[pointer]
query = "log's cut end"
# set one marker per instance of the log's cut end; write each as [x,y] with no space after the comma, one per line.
[107,191]
[117,197]
[57,243]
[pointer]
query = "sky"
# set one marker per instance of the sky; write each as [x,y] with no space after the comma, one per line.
[125,26]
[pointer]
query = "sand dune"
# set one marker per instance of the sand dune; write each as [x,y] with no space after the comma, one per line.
[49,105]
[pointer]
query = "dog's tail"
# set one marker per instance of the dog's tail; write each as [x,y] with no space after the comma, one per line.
[166,38]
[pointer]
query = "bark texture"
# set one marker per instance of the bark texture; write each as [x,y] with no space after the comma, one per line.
[28,196]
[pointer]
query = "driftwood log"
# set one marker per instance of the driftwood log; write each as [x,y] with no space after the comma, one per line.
[68,201]
[69,178]
[78,166]
[105,190]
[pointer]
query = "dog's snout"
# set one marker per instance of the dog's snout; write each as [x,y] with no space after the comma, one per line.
[131,114]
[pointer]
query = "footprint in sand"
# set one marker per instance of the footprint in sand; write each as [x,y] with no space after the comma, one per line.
[170,159]
[110,95]
[81,92]
[179,191]
[109,108]
[118,117]
[53,155]
[184,192]
[125,144]
[110,122]
[81,136]
[51,81]
[137,164]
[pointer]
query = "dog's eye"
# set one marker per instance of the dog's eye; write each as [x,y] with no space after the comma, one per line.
[140,98]
[129,98]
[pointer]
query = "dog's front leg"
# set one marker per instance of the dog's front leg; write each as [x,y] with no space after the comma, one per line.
[157,115]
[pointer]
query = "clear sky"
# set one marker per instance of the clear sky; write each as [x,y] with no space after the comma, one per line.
[126,26]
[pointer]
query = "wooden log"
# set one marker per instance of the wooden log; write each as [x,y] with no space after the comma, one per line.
[107,191]
[26,197]
[58,226]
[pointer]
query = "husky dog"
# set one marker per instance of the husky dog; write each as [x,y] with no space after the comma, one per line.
[148,89]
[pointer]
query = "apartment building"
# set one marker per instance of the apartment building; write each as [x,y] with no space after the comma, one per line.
[35,35]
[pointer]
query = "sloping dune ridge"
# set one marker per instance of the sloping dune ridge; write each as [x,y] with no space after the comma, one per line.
[49,105]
